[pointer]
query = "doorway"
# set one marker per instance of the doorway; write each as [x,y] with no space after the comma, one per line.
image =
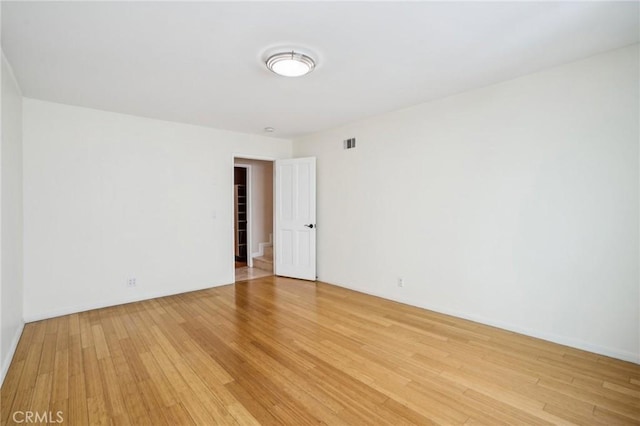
[253,218]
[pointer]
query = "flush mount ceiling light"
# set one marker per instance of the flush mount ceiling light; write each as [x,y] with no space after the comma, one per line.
[290,64]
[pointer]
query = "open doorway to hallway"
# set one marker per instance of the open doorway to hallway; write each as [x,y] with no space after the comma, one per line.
[253,218]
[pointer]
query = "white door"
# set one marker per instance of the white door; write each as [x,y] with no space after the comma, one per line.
[295,218]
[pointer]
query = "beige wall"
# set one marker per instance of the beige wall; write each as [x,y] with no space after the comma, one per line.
[11,259]
[514,205]
[110,196]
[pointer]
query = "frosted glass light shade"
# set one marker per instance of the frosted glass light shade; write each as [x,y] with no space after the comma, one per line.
[290,64]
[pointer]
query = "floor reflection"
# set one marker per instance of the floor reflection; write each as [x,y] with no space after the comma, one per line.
[245,273]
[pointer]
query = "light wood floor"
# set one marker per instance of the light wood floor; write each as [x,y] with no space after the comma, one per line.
[244,273]
[281,351]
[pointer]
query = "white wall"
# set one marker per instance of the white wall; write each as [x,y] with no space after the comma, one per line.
[110,196]
[11,284]
[261,203]
[514,205]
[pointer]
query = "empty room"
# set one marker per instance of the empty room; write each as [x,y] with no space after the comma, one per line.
[331,212]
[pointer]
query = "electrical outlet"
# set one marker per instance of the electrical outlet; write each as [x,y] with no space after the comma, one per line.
[400,282]
[131,282]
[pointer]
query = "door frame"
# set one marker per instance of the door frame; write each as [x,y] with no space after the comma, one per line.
[241,157]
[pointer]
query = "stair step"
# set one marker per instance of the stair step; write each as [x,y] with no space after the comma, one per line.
[268,251]
[263,262]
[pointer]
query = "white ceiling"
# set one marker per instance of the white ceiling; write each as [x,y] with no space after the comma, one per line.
[202,63]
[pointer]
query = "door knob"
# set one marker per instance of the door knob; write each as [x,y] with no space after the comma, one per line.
[311,225]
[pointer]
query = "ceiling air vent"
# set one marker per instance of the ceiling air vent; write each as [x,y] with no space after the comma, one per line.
[349,143]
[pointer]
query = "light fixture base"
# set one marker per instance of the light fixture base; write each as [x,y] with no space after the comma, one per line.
[290,64]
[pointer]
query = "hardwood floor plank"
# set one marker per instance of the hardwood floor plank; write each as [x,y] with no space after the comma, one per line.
[275,351]
[62,337]
[292,384]
[112,391]
[57,410]
[60,390]
[242,415]
[160,384]
[86,335]
[206,366]
[78,409]
[74,324]
[91,372]
[627,390]
[97,410]
[100,341]
[506,412]
[48,353]
[75,355]
[146,402]
[620,406]
[609,417]
[21,403]
[570,415]
[252,405]
[135,367]
[41,393]
[10,390]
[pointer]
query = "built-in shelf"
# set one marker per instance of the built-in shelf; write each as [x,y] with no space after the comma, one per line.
[240,209]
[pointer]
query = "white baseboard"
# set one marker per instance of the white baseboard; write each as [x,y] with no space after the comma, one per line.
[550,337]
[12,350]
[104,304]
